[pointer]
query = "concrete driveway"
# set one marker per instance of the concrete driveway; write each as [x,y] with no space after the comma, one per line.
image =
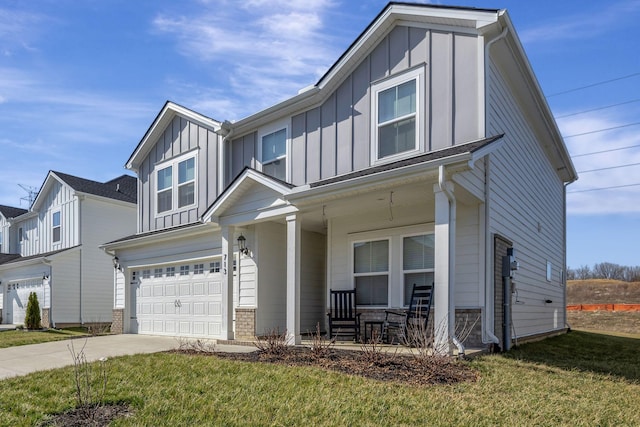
[24,359]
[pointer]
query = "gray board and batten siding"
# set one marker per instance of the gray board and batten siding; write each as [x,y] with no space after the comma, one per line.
[180,137]
[335,137]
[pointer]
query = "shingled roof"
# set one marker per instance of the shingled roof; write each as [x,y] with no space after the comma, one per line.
[124,187]
[11,212]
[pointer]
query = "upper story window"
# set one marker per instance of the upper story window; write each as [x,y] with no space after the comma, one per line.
[20,234]
[176,184]
[396,116]
[1,242]
[56,227]
[274,154]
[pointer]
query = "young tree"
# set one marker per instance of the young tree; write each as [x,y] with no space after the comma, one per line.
[32,318]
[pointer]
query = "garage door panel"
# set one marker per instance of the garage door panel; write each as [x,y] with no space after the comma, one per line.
[185,305]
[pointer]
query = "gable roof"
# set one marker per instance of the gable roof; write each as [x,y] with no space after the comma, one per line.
[15,258]
[162,120]
[11,212]
[123,188]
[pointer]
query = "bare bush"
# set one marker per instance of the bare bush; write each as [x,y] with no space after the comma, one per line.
[196,346]
[273,342]
[372,349]
[320,347]
[90,381]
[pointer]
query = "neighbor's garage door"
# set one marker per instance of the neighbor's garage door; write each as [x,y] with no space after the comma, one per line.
[179,300]
[18,296]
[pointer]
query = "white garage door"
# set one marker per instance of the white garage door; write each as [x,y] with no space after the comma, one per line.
[18,296]
[179,300]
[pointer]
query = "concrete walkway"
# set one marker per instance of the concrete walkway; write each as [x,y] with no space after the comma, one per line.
[25,359]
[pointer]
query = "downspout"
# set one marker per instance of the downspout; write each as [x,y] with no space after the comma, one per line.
[51,321]
[487,208]
[452,254]
[227,132]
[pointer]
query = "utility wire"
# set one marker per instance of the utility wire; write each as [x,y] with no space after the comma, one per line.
[605,151]
[604,188]
[602,130]
[610,167]
[598,108]
[593,84]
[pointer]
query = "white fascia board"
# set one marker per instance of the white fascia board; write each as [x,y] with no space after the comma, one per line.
[45,188]
[306,193]
[44,259]
[166,115]
[159,237]
[484,151]
[124,203]
[258,215]
[249,174]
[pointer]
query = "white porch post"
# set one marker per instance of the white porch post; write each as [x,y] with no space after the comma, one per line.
[227,281]
[442,270]
[294,231]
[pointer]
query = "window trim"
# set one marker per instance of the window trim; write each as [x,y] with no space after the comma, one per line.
[403,271]
[268,130]
[417,74]
[53,227]
[173,163]
[352,266]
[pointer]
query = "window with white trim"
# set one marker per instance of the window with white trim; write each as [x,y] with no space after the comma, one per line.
[0,242]
[198,269]
[176,184]
[417,262]
[157,272]
[184,270]
[371,272]
[20,234]
[214,267]
[396,116]
[56,227]
[171,271]
[146,274]
[274,154]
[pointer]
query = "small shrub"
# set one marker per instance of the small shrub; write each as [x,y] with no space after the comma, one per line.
[372,349]
[273,343]
[320,346]
[32,318]
[90,381]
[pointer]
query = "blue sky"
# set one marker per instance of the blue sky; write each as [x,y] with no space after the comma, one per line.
[81,81]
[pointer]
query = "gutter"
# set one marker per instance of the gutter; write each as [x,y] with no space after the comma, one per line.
[452,254]
[489,296]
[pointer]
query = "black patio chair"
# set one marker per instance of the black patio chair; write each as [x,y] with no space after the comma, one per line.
[343,318]
[411,324]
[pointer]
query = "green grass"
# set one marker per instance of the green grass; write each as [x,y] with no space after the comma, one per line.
[579,379]
[23,337]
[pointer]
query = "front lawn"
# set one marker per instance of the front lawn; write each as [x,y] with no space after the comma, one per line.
[24,337]
[577,379]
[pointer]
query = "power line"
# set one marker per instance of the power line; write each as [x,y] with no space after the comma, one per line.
[598,108]
[604,188]
[605,151]
[602,130]
[610,167]
[593,84]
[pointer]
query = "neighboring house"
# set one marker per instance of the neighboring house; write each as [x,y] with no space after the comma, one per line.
[421,156]
[53,249]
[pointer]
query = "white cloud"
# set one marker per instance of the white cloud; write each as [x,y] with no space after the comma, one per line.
[261,51]
[582,25]
[603,170]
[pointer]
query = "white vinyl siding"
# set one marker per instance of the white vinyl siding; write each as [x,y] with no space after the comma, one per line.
[526,191]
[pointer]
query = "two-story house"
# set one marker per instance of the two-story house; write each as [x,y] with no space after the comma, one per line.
[52,249]
[423,155]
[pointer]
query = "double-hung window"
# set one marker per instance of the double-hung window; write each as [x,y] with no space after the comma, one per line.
[417,262]
[274,154]
[396,116]
[176,184]
[56,227]
[371,272]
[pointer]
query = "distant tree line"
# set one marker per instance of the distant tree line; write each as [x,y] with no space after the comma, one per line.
[605,270]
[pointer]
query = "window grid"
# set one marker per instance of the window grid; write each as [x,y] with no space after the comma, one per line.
[184,270]
[198,268]
[146,274]
[171,271]
[214,267]
[157,272]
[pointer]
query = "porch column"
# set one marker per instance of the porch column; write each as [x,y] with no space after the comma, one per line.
[294,231]
[442,290]
[227,281]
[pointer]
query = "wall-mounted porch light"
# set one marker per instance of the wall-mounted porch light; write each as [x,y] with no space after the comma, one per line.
[116,263]
[242,245]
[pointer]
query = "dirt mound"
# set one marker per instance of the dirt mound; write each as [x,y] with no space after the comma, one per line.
[600,291]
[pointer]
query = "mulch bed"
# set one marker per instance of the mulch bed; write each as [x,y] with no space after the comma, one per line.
[92,416]
[377,365]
